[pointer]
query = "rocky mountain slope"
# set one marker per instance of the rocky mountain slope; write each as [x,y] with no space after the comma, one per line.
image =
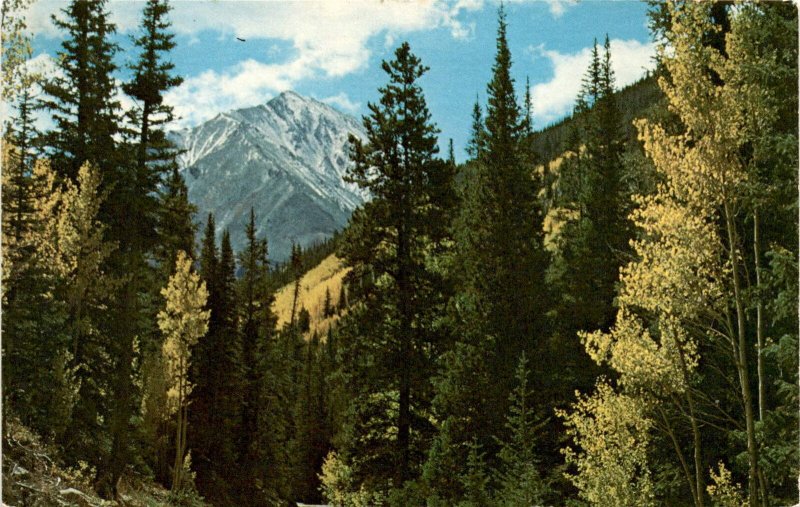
[286,158]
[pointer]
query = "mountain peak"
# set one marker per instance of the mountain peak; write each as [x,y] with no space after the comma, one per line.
[290,97]
[286,158]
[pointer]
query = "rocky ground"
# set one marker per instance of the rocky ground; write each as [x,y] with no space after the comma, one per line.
[33,477]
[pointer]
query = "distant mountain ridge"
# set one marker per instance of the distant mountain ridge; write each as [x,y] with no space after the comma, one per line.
[285,158]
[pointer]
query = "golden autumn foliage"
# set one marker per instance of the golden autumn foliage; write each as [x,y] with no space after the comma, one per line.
[328,276]
[611,433]
[183,322]
[684,290]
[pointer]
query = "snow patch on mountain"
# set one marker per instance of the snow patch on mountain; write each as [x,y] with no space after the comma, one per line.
[285,158]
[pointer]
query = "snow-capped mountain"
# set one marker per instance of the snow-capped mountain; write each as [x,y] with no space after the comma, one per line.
[285,158]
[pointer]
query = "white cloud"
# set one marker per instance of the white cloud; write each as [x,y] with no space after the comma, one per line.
[329,38]
[555,98]
[125,15]
[343,102]
[558,7]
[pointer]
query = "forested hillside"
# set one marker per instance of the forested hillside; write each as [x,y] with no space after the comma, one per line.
[601,313]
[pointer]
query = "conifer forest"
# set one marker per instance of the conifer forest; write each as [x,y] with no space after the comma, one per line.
[603,311]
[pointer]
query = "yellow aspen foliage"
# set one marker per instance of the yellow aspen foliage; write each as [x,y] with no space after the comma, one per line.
[70,244]
[79,234]
[648,365]
[685,283]
[15,47]
[611,434]
[182,322]
[724,492]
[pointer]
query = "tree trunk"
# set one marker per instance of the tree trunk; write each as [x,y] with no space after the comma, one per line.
[697,441]
[759,316]
[684,466]
[404,416]
[178,465]
[744,375]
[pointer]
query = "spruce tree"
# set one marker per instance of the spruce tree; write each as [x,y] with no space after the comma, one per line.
[153,153]
[475,481]
[527,108]
[81,99]
[411,191]
[501,252]
[312,439]
[519,480]
[19,223]
[327,305]
[592,243]
[262,435]
[296,263]
[151,79]
[502,300]
[176,228]
[21,134]
[136,190]
[475,143]
[215,409]
[341,303]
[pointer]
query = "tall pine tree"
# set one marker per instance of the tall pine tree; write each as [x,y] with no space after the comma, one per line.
[501,299]
[215,406]
[411,191]
[81,98]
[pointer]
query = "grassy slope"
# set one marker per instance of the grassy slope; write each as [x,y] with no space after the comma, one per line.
[327,274]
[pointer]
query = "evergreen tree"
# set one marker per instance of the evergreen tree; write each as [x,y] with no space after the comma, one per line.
[134,184]
[501,254]
[165,215]
[312,439]
[451,154]
[341,304]
[296,263]
[262,437]
[412,193]
[21,134]
[151,79]
[475,482]
[24,280]
[519,480]
[593,241]
[217,377]
[327,306]
[475,143]
[303,324]
[19,222]
[527,108]
[81,99]
[176,229]
[462,391]
[502,301]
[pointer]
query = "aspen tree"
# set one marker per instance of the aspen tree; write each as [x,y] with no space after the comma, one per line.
[183,321]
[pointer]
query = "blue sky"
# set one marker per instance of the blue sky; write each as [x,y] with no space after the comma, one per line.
[331,50]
